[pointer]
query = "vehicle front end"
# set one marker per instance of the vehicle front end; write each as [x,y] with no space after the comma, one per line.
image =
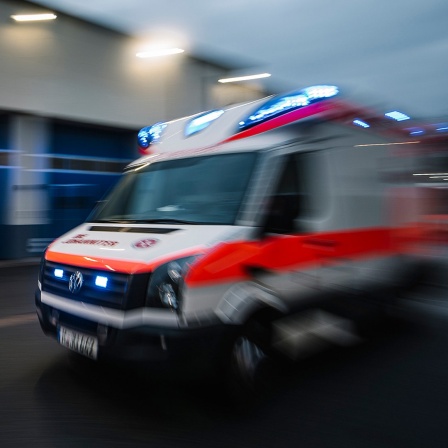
[114,287]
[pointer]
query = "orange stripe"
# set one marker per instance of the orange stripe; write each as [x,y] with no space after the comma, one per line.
[123,266]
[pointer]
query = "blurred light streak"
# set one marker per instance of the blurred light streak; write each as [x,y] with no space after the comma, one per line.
[431,174]
[386,144]
[244,78]
[157,53]
[33,17]
[13,321]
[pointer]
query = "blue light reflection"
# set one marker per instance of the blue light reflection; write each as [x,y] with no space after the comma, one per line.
[202,121]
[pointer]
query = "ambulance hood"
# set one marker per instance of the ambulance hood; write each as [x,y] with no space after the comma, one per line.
[136,248]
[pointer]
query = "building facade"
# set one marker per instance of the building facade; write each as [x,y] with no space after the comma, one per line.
[72,97]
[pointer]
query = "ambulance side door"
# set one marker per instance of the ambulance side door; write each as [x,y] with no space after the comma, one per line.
[287,265]
[306,253]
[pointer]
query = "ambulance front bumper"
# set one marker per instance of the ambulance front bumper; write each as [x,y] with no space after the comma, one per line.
[152,337]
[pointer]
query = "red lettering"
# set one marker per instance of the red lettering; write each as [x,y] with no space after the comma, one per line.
[103,243]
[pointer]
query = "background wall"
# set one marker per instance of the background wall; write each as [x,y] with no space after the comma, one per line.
[70,68]
[72,98]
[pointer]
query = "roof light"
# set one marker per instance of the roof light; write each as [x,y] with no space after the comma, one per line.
[33,17]
[361,123]
[398,116]
[244,78]
[157,53]
[279,105]
[150,134]
[319,92]
[202,121]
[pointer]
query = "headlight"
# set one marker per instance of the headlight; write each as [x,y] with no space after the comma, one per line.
[164,290]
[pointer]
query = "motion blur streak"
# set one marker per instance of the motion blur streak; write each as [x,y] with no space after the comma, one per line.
[13,321]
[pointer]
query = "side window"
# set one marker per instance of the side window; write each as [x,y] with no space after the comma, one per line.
[292,198]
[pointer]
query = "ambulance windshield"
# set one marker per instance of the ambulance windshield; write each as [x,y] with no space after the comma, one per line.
[197,190]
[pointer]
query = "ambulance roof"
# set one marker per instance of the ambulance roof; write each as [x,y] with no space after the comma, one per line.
[224,130]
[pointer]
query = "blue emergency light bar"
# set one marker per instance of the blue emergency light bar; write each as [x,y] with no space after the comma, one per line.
[282,104]
[150,134]
[202,121]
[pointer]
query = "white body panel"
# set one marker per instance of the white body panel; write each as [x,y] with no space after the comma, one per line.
[104,246]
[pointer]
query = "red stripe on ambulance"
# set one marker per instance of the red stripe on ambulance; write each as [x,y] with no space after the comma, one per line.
[231,261]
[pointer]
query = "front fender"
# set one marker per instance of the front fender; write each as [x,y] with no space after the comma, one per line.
[242,300]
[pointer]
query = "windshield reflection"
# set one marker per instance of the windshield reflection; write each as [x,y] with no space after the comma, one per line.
[197,190]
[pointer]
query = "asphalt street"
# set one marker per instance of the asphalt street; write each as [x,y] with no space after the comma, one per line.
[390,390]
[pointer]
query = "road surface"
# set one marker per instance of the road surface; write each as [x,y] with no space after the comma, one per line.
[387,391]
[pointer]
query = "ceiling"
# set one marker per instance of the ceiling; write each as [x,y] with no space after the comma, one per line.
[392,53]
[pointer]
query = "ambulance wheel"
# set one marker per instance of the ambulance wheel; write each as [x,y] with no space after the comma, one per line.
[247,360]
[253,365]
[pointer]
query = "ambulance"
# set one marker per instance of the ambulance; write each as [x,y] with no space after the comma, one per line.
[241,236]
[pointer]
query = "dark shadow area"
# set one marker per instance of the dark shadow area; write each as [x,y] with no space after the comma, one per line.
[388,391]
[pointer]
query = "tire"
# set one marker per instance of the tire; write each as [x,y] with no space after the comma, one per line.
[247,361]
[252,366]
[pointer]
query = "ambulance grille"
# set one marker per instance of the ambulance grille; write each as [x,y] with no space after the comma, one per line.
[119,291]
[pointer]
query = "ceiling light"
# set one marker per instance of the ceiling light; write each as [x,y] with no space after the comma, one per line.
[33,17]
[361,123]
[244,78]
[156,53]
[398,116]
